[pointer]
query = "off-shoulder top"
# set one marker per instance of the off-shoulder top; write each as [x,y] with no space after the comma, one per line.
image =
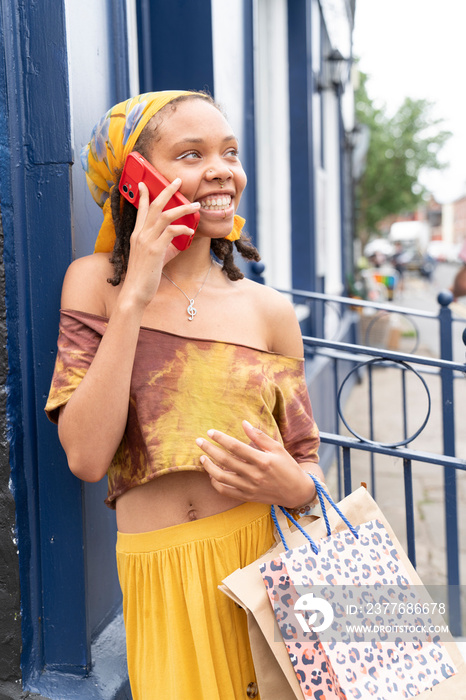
[180,388]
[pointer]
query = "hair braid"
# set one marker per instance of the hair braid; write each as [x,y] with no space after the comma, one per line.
[223,250]
[124,218]
[246,249]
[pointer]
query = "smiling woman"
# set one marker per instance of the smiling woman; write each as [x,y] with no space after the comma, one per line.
[198,434]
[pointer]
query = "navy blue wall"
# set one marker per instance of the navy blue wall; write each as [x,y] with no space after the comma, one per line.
[175,45]
[303,219]
[248,152]
[301,145]
[36,218]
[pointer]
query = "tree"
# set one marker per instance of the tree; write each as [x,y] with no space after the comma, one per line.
[400,148]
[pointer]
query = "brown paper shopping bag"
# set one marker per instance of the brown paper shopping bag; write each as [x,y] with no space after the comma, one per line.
[275,673]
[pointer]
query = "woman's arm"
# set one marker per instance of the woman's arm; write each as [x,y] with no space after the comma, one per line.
[92,423]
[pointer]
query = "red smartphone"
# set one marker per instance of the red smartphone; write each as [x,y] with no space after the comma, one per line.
[137,169]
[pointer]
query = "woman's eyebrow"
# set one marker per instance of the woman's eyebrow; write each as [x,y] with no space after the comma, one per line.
[194,139]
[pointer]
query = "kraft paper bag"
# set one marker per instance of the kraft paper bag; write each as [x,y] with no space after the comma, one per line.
[275,673]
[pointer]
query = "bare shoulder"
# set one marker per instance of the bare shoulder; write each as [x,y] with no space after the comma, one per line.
[85,287]
[280,322]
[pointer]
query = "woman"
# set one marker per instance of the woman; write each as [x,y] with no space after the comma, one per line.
[199,425]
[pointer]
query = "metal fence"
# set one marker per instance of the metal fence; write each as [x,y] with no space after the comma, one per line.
[374,354]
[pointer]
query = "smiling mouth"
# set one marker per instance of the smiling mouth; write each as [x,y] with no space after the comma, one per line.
[216,203]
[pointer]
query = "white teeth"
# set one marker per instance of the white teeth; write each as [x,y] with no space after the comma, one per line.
[216,202]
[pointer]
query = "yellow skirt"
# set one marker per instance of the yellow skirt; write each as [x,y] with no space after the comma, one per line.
[185,639]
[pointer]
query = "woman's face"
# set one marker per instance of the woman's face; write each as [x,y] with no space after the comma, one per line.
[196,143]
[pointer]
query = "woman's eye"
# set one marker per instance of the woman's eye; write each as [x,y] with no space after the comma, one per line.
[233,152]
[189,155]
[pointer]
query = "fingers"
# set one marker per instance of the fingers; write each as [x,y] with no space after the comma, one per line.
[229,483]
[165,195]
[261,440]
[223,478]
[173,213]
[228,453]
[259,471]
[172,231]
[236,457]
[261,443]
[143,206]
[228,463]
[151,215]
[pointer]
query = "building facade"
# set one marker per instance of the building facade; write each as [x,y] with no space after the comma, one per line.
[280,70]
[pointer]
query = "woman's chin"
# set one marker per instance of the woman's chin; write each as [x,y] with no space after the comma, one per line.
[215,227]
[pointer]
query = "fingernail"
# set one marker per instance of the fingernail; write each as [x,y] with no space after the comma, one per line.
[196,205]
[199,442]
[251,427]
[202,459]
[210,433]
[177,181]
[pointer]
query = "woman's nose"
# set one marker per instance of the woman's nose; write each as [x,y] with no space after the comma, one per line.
[219,172]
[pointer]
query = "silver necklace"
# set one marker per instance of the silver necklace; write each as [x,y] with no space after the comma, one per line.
[191,310]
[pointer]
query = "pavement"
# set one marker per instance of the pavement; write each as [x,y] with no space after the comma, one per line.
[429,504]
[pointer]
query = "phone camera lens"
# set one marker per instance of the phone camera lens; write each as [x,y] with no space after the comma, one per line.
[125,189]
[131,195]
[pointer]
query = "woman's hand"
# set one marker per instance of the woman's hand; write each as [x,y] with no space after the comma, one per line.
[151,241]
[263,472]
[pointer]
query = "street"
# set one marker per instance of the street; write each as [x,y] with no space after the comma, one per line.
[420,293]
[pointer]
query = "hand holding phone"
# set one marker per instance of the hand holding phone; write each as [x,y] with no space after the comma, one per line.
[137,169]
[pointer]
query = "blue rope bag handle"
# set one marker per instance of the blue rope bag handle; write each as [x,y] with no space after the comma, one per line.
[321,493]
[295,522]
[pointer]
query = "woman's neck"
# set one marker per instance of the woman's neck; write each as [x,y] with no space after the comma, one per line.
[190,263]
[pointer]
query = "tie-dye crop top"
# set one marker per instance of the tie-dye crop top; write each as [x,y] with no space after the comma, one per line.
[180,388]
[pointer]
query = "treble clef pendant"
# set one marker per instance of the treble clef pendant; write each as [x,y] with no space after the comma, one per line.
[191,310]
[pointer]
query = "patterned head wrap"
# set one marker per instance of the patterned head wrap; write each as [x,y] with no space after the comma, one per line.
[112,139]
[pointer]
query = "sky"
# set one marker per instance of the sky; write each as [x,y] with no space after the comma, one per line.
[417,49]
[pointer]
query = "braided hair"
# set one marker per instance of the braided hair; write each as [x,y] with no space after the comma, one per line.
[124,213]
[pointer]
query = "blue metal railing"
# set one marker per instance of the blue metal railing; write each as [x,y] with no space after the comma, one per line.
[364,358]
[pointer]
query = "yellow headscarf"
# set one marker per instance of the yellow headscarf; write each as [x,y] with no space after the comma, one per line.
[112,139]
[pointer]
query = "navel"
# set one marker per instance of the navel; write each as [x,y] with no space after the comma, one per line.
[192,514]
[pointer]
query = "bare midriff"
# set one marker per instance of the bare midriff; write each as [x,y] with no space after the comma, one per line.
[169,500]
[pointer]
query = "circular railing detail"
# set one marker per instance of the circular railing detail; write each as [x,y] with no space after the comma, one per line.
[377,331]
[385,363]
